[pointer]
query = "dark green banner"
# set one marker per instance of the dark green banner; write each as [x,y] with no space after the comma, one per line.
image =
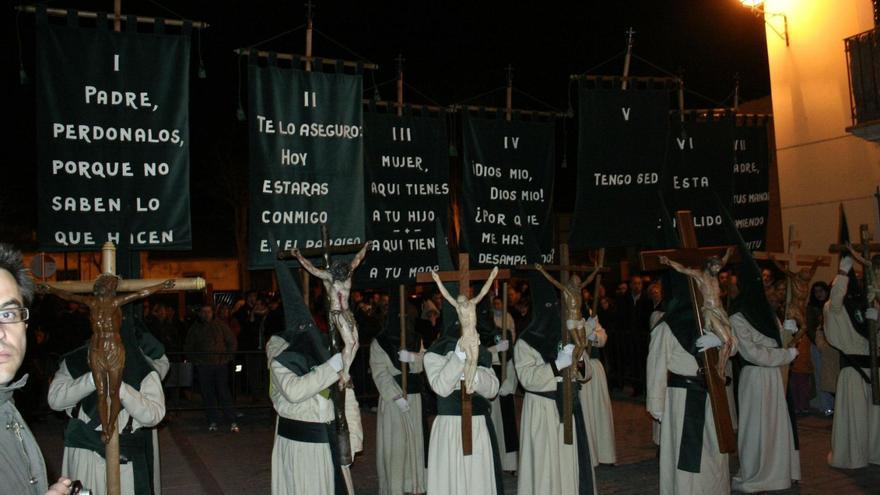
[306,155]
[751,182]
[699,165]
[507,191]
[112,138]
[406,175]
[622,139]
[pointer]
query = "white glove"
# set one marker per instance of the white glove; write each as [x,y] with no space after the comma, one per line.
[402,403]
[658,416]
[592,322]
[564,358]
[593,337]
[790,325]
[501,346]
[460,353]
[846,264]
[793,352]
[708,341]
[406,356]
[335,362]
[871,314]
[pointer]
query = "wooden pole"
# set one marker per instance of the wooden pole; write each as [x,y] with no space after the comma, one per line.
[504,329]
[399,85]
[626,59]
[309,37]
[597,282]
[404,367]
[508,108]
[567,373]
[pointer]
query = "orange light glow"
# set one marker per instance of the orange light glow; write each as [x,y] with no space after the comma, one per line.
[752,3]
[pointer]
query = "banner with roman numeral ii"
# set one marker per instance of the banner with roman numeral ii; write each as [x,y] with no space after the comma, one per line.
[406,175]
[621,148]
[507,191]
[306,157]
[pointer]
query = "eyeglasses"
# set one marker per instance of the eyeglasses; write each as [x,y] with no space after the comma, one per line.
[14,315]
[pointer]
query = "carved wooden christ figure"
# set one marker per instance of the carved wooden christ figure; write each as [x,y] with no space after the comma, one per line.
[106,351]
[467,316]
[337,283]
[715,319]
[799,282]
[873,291]
[572,300]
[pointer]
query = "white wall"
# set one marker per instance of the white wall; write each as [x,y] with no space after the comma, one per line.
[820,164]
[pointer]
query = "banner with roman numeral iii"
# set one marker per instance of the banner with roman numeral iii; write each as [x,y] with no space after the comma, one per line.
[306,157]
[622,138]
[406,176]
[507,191]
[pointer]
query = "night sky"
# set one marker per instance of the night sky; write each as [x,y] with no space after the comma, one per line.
[453,50]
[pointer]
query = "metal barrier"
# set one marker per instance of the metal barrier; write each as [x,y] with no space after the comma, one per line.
[863,68]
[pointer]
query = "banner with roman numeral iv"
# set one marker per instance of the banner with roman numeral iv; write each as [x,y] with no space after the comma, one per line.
[406,175]
[699,165]
[112,136]
[306,157]
[751,180]
[507,191]
[622,138]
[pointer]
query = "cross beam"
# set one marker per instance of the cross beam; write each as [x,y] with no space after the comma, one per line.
[464,276]
[692,255]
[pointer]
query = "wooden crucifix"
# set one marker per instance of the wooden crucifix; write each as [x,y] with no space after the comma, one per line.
[106,351]
[692,255]
[336,277]
[573,324]
[797,290]
[871,277]
[464,276]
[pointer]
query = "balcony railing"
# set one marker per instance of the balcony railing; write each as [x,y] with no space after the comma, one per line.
[863,65]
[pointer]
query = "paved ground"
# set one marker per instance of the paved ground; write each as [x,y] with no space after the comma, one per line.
[195,461]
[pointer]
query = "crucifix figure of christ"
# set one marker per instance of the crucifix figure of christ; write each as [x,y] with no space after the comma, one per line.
[575,327]
[713,370]
[106,351]
[466,310]
[715,319]
[337,284]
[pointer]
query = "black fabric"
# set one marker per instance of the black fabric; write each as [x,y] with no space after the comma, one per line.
[415,384]
[304,431]
[690,451]
[854,301]
[752,300]
[308,347]
[134,447]
[856,362]
[544,332]
[751,182]
[622,137]
[508,416]
[508,171]
[406,178]
[451,406]
[316,117]
[136,151]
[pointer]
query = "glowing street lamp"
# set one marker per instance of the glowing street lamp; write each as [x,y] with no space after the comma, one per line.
[757,6]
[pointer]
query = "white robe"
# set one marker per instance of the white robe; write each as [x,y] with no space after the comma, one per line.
[547,465]
[767,457]
[666,355]
[508,387]
[855,433]
[450,472]
[400,440]
[162,365]
[596,406]
[301,468]
[145,407]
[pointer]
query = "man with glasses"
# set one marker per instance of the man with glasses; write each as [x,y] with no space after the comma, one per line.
[22,468]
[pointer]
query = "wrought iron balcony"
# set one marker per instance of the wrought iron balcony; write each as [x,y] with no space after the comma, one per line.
[863,66]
